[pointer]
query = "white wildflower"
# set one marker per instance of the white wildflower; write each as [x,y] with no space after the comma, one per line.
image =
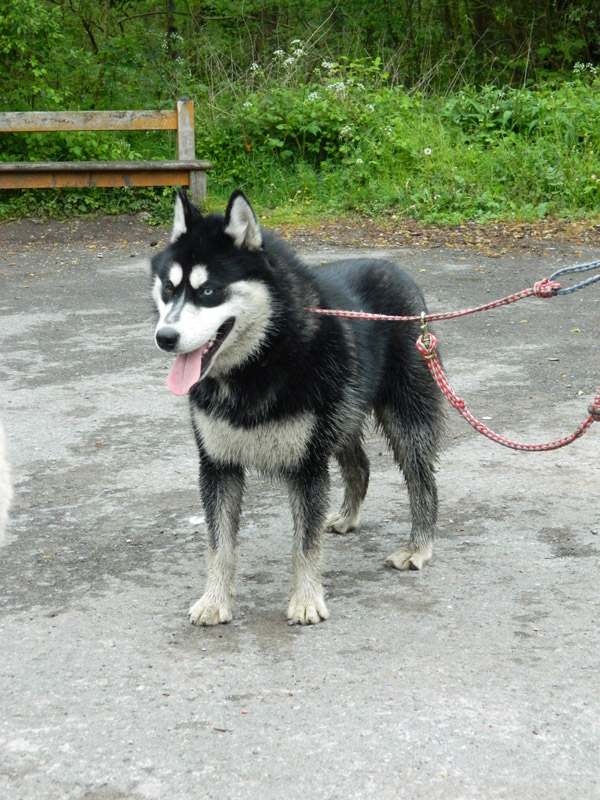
[427,151]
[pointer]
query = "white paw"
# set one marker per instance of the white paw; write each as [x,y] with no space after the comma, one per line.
[307,611]
[410,558]
[341,523]
[210,611]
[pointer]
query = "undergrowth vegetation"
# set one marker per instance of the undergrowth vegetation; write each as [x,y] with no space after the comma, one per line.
[306,131]
[345,140]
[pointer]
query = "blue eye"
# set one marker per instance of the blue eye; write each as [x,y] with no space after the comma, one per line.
[207,291]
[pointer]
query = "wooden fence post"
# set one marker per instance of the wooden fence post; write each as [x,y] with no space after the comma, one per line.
[186,148]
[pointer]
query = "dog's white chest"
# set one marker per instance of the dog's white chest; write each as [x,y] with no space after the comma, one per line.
[269,447]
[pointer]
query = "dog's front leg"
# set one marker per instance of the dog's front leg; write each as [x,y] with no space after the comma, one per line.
[222,489]
[308,491]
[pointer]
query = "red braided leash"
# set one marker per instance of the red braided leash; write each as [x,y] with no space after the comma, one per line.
[427,344]
[427,349]
[543,288]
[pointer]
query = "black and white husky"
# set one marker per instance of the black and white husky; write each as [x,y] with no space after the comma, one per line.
[275,387]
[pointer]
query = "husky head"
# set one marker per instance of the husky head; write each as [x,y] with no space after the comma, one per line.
[211,290]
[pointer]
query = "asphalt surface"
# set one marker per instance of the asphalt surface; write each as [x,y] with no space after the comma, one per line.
[475,678]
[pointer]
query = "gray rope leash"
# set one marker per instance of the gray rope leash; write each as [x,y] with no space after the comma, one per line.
[573,270]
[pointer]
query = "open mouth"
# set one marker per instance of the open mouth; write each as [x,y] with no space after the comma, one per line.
[189,368]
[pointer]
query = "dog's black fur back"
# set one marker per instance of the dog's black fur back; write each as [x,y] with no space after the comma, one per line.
[309,361]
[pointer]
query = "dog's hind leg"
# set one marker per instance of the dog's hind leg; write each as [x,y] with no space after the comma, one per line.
[308,491]
[222,489]
[354,465]
[415,451]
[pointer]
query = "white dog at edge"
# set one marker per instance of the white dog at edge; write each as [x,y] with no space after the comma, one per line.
[5,487]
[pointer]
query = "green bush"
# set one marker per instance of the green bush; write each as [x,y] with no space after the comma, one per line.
[343,138]
[309,136]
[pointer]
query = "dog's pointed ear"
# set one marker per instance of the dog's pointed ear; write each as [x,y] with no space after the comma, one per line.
[241,223]
[185,215]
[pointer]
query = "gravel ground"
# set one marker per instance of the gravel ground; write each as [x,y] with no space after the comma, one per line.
[476,678]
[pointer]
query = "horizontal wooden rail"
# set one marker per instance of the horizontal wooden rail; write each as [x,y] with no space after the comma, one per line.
[49,121]
[81,174]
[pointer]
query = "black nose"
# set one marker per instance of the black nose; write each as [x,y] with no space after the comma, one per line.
[167,338]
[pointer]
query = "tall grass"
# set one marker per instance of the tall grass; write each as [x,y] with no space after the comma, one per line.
[340,136]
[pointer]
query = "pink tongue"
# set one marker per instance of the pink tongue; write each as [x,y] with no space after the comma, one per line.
[185,372]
